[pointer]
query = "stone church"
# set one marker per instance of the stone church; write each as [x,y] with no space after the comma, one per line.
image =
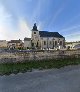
[46,40]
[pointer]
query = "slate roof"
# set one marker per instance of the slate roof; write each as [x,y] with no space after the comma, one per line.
[49,34]
[34,27]
[15,41]
[27,39]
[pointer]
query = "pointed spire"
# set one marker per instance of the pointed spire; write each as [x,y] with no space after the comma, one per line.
[35,27]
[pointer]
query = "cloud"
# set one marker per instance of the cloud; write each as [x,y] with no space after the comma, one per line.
[71,33]
[29,0]
[73,37]
[57,14]
[37,11]
[5,19]
[72,20]
[10,31]
[70,28]
[24,29]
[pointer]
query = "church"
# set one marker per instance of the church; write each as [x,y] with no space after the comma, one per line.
[46,40]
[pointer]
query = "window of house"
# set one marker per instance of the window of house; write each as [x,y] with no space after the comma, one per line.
[44,42]
[34,32]
[55,42]
[50,42]
[60,42]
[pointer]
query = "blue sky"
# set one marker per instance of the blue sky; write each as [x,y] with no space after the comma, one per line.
[18,16]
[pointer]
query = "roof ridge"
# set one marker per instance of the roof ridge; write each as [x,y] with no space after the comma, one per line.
[50,34]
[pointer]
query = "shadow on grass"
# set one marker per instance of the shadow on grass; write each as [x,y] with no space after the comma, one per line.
[28,66]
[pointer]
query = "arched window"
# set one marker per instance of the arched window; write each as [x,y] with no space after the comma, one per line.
[44,42]
[60,42]
[34,32]
[55,42]
[50,43]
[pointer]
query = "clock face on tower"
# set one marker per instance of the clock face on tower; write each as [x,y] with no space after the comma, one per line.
[34,32]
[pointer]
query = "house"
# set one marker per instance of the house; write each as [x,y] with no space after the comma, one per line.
[15,44]
[72,45]
[46,40]
[27,43]
[3,44]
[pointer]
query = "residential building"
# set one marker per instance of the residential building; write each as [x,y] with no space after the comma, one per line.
[15,44]
[27,43]
[72,45]
[3,44]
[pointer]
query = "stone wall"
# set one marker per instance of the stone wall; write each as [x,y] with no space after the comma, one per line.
[22,56]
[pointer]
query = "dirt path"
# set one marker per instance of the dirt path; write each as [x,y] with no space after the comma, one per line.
[63,80]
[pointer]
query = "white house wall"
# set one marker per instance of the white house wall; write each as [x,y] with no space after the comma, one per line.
[50,39]
[27,44]
[3,43]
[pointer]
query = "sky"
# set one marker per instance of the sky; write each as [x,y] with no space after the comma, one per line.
[18,16]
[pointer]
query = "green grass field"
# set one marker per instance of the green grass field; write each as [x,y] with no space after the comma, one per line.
[8,68]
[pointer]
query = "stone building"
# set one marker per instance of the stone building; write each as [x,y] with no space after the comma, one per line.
[46,40]
[15,44]
[27,43]
[72,45]
[3,44]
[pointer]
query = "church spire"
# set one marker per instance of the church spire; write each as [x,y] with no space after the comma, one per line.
[35,27]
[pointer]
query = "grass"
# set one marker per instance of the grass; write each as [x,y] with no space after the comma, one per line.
[8,68]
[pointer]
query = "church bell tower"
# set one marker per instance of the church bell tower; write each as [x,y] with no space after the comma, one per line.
[35,36]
